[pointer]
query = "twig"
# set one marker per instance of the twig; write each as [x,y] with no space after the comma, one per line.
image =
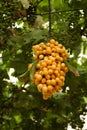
[56,11]
[49,18]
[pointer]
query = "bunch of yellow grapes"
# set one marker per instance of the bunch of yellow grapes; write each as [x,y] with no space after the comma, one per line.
[51,70]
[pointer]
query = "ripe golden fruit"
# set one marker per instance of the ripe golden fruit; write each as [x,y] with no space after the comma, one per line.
[63,65]
[38,65]
[43,64]
[47,76]
[44,89]
[45,96]
[56,72]
[35,57]
[39,77]
[41,57]
[35,47]
[39,87]
[29,66]
[57,88]
[57,79]
[62,78]
[45,72]
[36,81]
[62,73]
[50,88]
[53,67]
[50,71]
[53,82]
[48,82]
[43,80]
[52,41]
[53,76]
[48,50]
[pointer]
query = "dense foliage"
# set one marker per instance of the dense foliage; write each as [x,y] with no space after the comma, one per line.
[24,23]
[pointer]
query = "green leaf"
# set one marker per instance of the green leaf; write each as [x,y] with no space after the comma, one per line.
[24,77]
[19,64]
[58,4]
[72,69]
[35,34]
[32,70]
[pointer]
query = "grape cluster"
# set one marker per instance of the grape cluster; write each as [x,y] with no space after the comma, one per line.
[51,70]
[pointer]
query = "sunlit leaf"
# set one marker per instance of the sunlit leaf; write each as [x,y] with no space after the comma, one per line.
[72,69]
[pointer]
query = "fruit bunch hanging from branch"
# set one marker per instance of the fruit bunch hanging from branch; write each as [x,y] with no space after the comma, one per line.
[50,70]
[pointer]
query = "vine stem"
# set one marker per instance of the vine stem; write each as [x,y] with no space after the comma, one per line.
[49,19]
